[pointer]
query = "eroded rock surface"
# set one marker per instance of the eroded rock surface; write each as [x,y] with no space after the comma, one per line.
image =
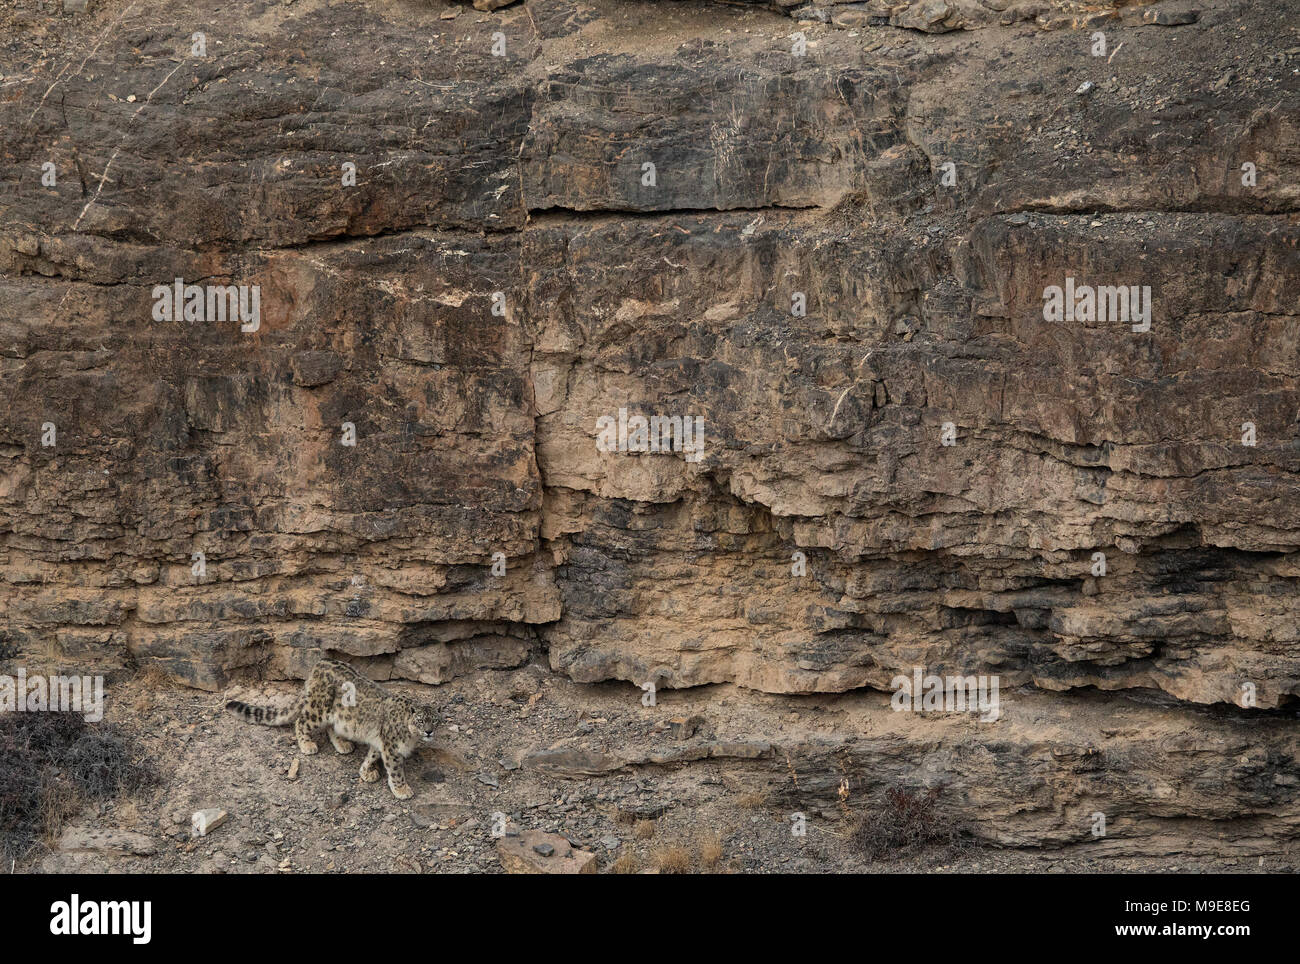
[800,267]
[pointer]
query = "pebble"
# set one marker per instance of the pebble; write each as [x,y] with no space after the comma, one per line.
[207,820]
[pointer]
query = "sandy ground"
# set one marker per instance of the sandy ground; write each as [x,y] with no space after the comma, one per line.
[701,816]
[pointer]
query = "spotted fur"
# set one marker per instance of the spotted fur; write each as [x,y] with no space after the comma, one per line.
[350,707]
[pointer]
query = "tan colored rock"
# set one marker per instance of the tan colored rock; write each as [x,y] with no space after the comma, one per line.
[439,662]
[121,843]
[534,852]
[571,761]
[825,541]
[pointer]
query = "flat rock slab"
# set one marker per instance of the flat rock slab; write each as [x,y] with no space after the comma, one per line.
[120,843]
[572,762]
[535,852]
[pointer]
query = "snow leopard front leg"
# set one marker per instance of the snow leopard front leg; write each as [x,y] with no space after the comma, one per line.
[370,766]
[396,767]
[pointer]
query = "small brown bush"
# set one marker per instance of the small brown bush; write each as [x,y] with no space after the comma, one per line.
[906,822]
[626,864]
[672,860]
[52,763]
[710,851]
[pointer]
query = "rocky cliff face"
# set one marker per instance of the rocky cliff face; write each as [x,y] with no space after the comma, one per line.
[481,239]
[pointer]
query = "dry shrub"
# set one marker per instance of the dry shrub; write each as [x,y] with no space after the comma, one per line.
[907,821]
[710,849]
[155,678]
[672,860]
[644,829]
[151,681]
[625,864]
[52,764]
